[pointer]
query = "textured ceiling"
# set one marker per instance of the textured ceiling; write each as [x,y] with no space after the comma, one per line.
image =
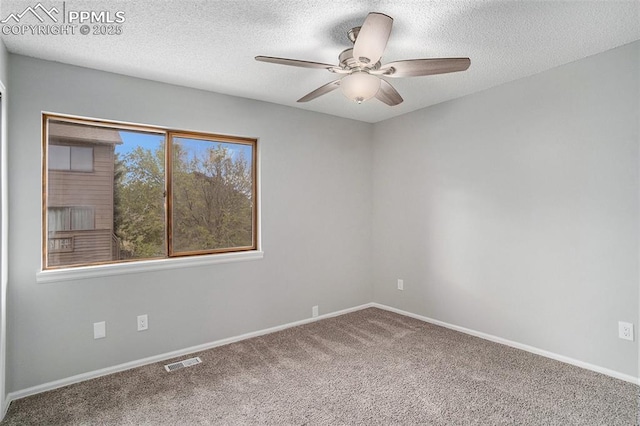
[210,45]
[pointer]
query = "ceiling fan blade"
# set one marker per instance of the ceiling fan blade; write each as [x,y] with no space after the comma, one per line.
[293,62]
[419,67]
[322,90]
[372,38]
[388,94]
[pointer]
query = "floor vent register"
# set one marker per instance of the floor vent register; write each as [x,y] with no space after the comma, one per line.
[182,364]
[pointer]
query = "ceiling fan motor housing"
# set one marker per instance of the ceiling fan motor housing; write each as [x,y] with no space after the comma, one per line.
[348,62]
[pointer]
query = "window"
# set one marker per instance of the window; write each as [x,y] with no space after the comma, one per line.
[146,193]
[73,158]
[70,218]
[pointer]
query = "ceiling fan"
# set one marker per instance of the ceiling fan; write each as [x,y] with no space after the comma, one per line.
[360,68]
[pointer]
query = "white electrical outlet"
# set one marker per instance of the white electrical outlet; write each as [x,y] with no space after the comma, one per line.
[99,330]
[314,311]
[143,322]
[625,330]
[400,284]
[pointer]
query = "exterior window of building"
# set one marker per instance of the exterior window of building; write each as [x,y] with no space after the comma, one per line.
[70,218]
[73,158]
[145,193]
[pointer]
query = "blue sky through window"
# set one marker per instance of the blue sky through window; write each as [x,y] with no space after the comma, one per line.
[132,140]
[151,141]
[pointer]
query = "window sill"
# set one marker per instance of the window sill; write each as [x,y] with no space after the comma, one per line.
[97,271]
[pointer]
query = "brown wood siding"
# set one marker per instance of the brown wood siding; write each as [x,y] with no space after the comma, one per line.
[88,247]
[86,189]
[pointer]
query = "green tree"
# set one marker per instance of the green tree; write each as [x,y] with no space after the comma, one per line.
[212,200]
[212,205]
[139,203]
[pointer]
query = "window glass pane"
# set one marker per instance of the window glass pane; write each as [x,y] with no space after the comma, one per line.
[212,195]
[139,208]
[82,158]
[113,211]
[59,157]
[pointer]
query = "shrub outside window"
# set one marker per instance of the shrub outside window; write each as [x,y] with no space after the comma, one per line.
[117,193]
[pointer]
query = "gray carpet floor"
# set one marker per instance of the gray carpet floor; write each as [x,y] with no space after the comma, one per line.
[370,367]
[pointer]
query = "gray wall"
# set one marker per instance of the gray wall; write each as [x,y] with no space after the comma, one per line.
[514,211]
[4,63]
[4,67]
[316,201]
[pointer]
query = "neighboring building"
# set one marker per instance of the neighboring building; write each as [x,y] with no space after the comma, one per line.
[80,194]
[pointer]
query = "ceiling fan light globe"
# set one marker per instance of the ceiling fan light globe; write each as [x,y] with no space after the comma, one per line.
[360,86]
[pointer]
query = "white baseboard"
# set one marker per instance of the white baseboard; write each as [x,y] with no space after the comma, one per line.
[162,357]
[193,349]
[532,349]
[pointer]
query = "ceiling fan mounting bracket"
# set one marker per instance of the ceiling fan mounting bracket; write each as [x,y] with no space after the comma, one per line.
[353,34]
[389,71]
